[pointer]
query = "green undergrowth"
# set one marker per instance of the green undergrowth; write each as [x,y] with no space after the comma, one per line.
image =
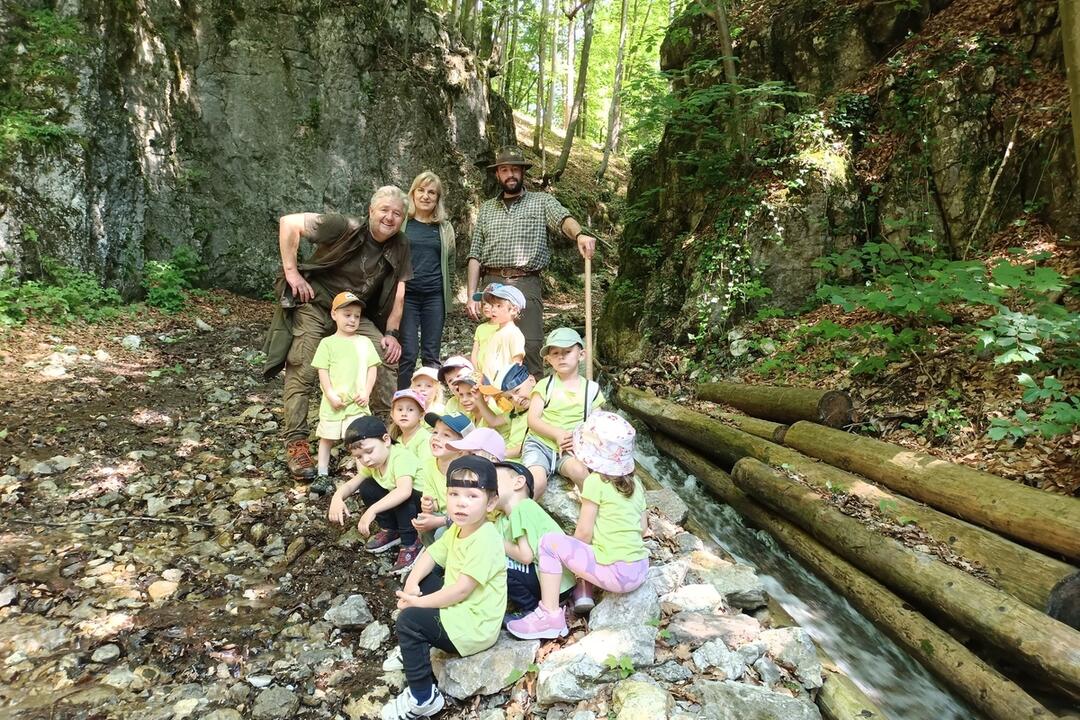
[62,294]
[899,302]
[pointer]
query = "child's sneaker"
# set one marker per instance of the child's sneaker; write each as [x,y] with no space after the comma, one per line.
[539,624]
[406,557]
[405,706]
[382,541]
[582,595]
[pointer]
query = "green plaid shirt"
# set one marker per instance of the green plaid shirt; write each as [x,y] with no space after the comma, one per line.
[517,237]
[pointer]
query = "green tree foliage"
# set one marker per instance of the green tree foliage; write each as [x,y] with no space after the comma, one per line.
[61,295]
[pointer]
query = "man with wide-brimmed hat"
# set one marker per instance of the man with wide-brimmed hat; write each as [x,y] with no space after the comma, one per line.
[510,245]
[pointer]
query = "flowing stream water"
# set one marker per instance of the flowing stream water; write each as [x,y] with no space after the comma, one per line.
[901,687]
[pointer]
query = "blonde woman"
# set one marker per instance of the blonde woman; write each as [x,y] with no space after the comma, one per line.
[429,293]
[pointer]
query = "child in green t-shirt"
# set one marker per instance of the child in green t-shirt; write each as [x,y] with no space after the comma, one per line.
[522,523]
[455,595]
[425,381]
[452,368]
[512,390]
[347,363]
[607,549]
[385,480]
[560,402]
[406,416]
[444,428]
[499,342]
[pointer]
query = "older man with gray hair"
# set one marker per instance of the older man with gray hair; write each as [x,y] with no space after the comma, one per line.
[366,256]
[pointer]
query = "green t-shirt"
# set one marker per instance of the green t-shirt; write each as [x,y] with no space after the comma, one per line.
[347,360]
[420,443]
[617,531]
[483,333]
[565,408]
[453,405]
[474,623]
[529,519]
[433,482]
[513,432]
[400,463]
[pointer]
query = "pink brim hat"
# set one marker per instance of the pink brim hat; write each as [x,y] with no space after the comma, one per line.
[605,444]
[483,439]
[410,395]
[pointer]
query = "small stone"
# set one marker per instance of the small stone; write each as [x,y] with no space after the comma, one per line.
[53,371]
[173,575]
[203,326]
[295,549]
[224,714]
[219,396]
[792,648]
[120,678]
[635,700]
[248,494]
[8,595]
[715,654]
[373,636]
[54,465]
[768,671]
[275,703]
[351,613]
[184,708]
[131,343]
[105,653]
[161,589]
[671,672]
[260,681]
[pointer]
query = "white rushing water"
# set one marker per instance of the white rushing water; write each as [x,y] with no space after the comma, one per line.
[901,687]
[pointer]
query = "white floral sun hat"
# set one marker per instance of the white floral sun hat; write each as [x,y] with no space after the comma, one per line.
[605,444]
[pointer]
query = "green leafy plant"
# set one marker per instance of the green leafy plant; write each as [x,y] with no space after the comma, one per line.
[1060,412]
[61,294]
[623,665]
[169,283]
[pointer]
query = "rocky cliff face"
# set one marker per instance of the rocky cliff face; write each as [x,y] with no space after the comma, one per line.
[899,119]
[199,122]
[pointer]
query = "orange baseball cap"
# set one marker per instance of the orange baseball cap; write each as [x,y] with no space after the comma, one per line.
[346,298]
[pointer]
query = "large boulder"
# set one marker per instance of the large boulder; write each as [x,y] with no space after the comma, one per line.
[620,610]
[486,672]
[793,648]
[577,672]
[636,700]
[728,700]
[695,628]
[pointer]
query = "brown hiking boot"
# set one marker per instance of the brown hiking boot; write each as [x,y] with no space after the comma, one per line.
[301,465]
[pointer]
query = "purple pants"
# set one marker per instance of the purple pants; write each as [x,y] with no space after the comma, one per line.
[558,551]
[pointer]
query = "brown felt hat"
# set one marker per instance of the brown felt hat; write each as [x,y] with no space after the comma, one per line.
[510,155]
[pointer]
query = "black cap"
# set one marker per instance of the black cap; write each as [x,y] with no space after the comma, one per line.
[363,428]
[520,470]
[487,479]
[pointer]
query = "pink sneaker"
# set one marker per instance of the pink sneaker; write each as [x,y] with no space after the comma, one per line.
[539,624]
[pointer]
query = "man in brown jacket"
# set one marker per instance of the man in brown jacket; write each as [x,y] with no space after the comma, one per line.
[366,256]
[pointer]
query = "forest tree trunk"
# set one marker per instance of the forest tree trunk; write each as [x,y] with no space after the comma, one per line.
[612,139]
[579,93]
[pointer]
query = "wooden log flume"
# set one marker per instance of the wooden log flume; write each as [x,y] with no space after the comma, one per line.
[1041,519]
[839,698]
[782,404]
[1032,638]
[969,676]
[1025,573]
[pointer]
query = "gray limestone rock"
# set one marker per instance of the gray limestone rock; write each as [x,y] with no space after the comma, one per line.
[635,700]
[671,672]
[739,584]
[577,671]
[715,654]
[793,649]
[729,700]
[105,653]
[486,672]
[351,613]
[665,578]
[373,636]
[668,502]
[275,703]
[697,628]
[620,610]
[768,671]
[693,597]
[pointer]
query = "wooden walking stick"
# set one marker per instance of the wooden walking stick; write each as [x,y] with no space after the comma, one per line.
[588,318]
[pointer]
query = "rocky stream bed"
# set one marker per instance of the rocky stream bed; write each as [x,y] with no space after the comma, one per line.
[158,562]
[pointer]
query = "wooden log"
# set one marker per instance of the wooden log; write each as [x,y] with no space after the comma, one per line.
[782,404]
[956,666]
[1037,641]
[839,697]
[1042,519]
[766,429]
[1025,573]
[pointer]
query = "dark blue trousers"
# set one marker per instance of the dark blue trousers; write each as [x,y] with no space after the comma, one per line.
[421,332]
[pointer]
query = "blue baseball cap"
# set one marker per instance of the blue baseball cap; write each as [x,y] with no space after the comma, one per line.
[506,379]
[459,423]
[506,292]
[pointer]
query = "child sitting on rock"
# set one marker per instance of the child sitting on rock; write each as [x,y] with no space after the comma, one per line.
[385,479]
[425,381]
[512,389]
[484,442]
[347,363]
[455,596]
[522,523]
[452,368]
[607,549]
[559,404]
[499,342]
[433,520]
[407,413]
